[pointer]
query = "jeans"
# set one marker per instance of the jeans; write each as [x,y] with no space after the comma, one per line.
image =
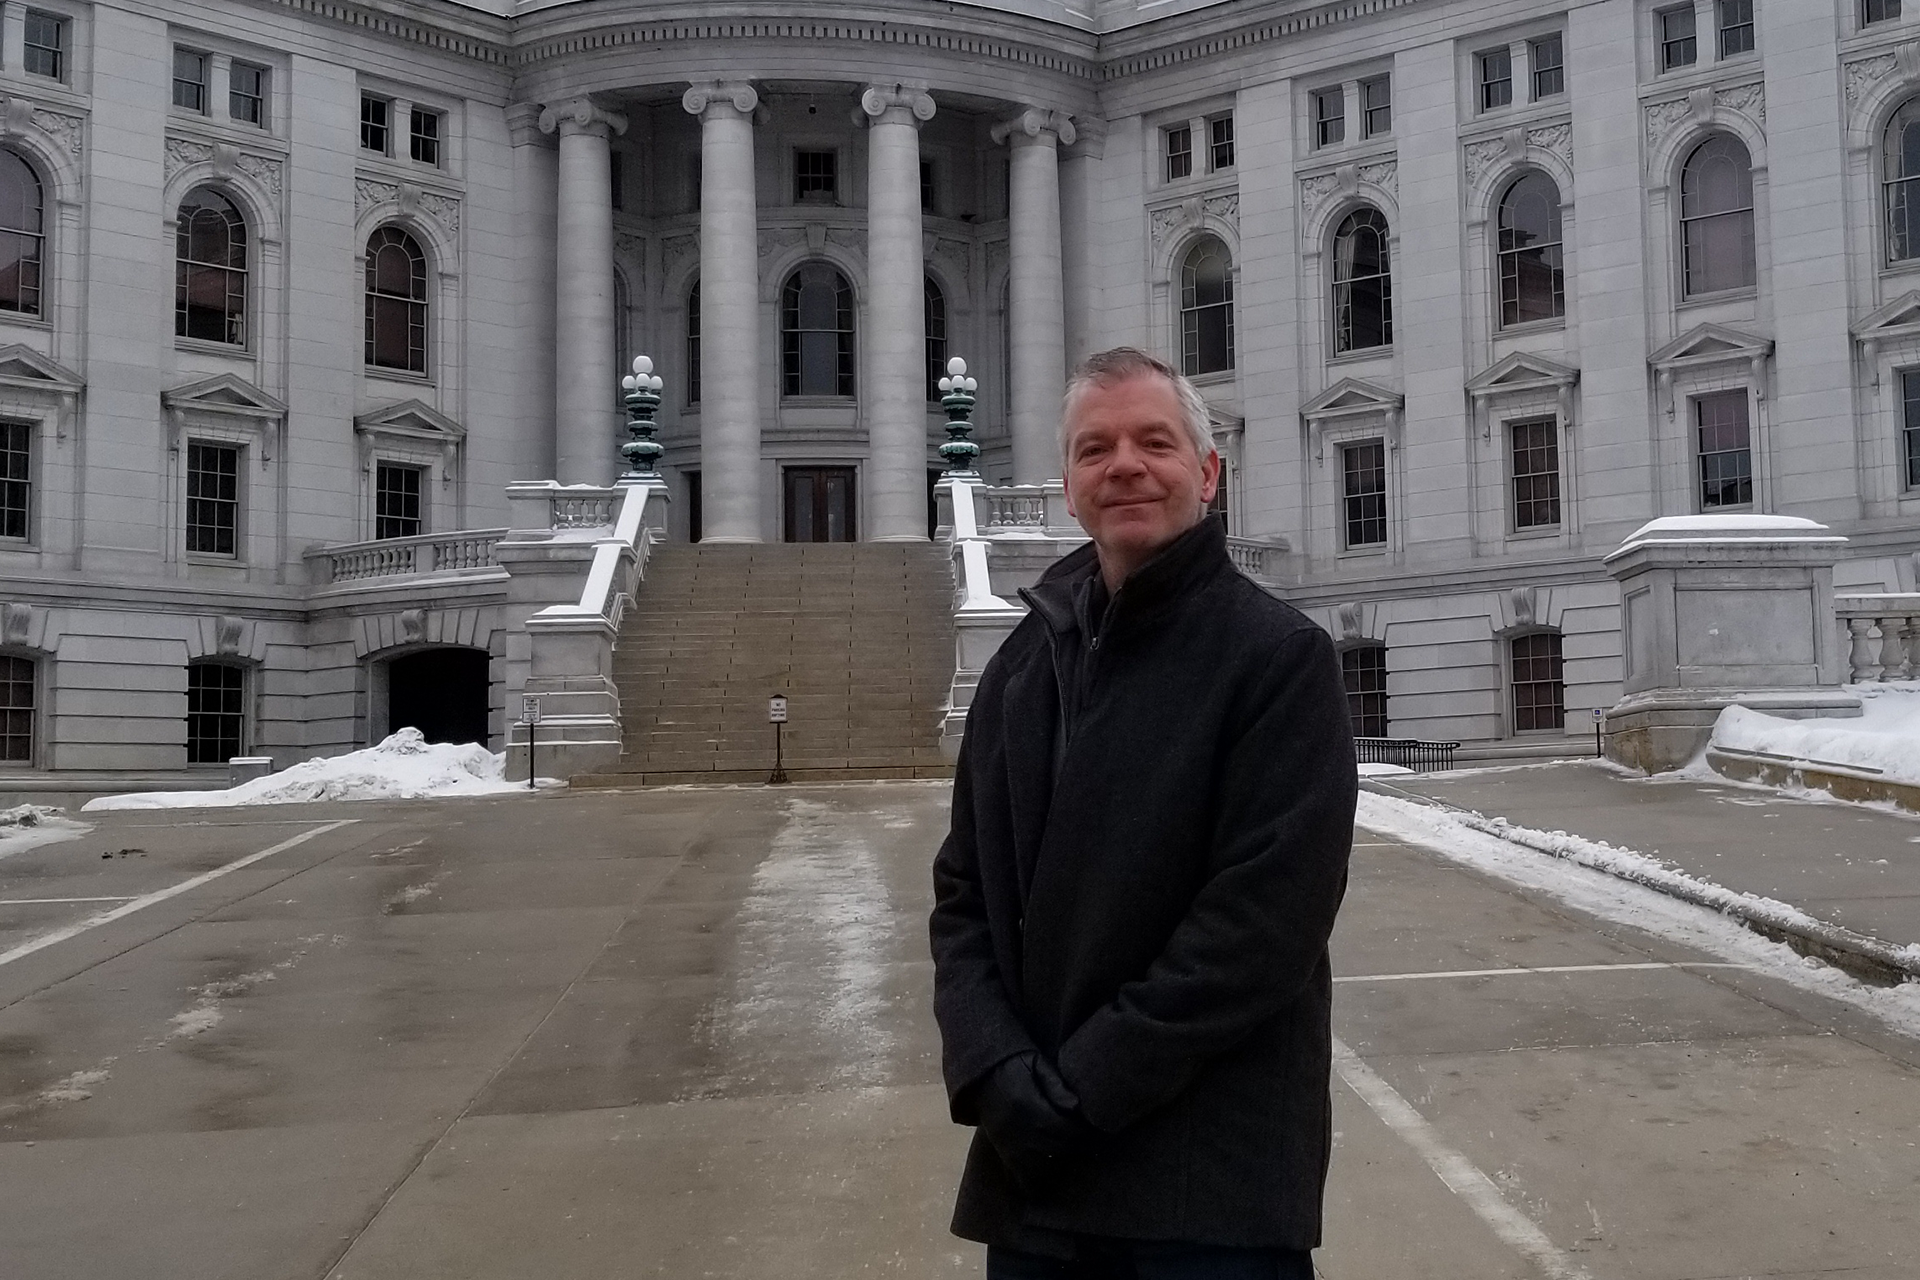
[1152,1260]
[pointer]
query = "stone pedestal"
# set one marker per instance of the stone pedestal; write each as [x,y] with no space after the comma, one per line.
[1717,611]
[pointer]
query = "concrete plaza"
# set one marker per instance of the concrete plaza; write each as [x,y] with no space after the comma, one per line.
[686,1033]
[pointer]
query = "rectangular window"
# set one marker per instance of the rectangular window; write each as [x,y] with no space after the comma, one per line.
[1676,37]
[1725,450]
[1365,490]
[375,124]
[247,94]
[213,498]
[1376,107]
[16,480]
[45,45]
[16,710]
[216,711]
[423,139]
[396,501]
[1536,473]
[1329,117]
[1736,27]
[1364,669]
[1179,143]
[1872,11]
[1549,67]
[1910,428]
[814,177]
[190,80]
[927,189]
[1539,683]
[617,178]
[1496,78]
[1220,143]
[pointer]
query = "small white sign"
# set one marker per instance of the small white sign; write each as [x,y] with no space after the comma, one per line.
[1596,713]
[776,710]
[530,709]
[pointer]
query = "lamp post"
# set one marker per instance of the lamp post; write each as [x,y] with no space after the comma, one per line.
[957,399]
[642,452]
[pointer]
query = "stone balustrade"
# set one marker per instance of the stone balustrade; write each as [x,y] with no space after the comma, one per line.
[1258,558]
[402,557]
[573,509]
[1881,634]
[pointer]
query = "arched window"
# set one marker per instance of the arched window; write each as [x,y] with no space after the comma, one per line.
[1364,669]
[1532,284]
[693,344]
[621,325]
[396,302]
[1539,682]
[816,333]
[1362,285]
[22,240]
[936,339]
[1206,309]
[1901,176]
[1716,216]
[210,269]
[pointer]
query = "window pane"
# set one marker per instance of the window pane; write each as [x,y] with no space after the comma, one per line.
[396,501]
[1716,211]
[1364,474]
[1539,688]
[21,244]
[1206,309]
[1900,159]
[247,94]
[213,498]
[693,345]
[816,323]
[1364,669]
[1532,282]
[16,709]
[1676,37]
[1376,101]
[1362,289]
[1549,74]
[1725,450]
[1179,153]
[813,176]
[425,137]
[216,712]
[373,124]
[396,302]
[210,274]
[1496,79]
[45,45]
[1220,141]
[1536,473]
[936,326]
[16,480]
[1879,11]
[190,80]
[1736,27]
[1329,117]
[1910,396]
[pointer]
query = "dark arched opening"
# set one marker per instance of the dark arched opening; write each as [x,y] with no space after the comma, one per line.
[441,692]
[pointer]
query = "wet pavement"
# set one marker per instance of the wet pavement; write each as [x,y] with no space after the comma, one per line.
[685,1033]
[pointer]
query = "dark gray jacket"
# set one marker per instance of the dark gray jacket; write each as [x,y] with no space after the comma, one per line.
[1155,918]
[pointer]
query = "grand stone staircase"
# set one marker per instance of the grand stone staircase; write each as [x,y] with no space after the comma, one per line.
[858,636]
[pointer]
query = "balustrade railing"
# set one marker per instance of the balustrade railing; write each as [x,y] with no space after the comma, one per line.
[399,557]
[573,509]
[1882,635]
[1257,559]
[1022,507]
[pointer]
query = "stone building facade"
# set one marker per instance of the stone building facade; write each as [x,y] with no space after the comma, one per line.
[1473,287]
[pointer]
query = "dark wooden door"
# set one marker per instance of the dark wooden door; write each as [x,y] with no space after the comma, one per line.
[819,504]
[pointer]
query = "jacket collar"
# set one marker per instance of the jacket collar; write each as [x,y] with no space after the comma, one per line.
[1183,566]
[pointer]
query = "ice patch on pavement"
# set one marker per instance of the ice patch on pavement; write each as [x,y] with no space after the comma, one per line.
[1883,740]
[403,767]
[1580,883]
[77,1087]
[815,933]
[1384,770]
[28,826]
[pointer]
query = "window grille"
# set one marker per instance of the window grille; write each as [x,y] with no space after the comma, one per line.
[22,242]
[936,325]
[396,302]
[1677,47]
[16,480]
[814,177]
[693,344]
[44,46]
[1364,468]
[190,80]
[210,270]
[1496,79]
[1362,283]
[1329,117]
[1536,473]
[374,124]
[1910,425]
[1548,61]
[1716,217]
[1364,668]
[1206,309]
[1220,143]
[1376,107]
[216,712]
[1539,683]
[1179,142]
[816,333]
[17,686]
[1736,27]
[1532,278]
[396,501]
[423,139]
[1725,450]
[213,498]
[247,94]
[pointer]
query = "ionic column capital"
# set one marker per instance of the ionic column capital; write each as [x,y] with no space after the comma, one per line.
[720,95]
[581,115]
[1092,140]
[897,103]
[1035,121]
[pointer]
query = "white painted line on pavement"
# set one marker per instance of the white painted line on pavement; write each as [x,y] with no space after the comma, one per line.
[41,902]
[1549,968]
[1461,1175]
[132,905]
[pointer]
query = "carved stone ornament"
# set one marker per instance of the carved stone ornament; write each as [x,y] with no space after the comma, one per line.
[1486,154]
[632,251]
[408,199]
[879,99]
[1345,181]
[1351,625]
[777,240]
[1525,602]
[1035,121]
[676,250]
[1698,107]
[580,115]
[848,238]
[16,623]
[1164,223]
[1316,189]
[226,160]
[413,625]
[227,632]
[738,94]
[21,116]
[1864,73]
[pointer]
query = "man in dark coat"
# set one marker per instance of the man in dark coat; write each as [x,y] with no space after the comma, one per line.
[1152,817]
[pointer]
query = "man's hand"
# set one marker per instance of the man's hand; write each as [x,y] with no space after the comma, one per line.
[1031,1117]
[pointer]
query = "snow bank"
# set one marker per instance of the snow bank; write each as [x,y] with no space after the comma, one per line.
[1384,771]
[1884,740]
[28,826]
[404,767]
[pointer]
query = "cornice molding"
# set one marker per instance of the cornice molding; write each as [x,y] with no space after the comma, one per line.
[1157,45]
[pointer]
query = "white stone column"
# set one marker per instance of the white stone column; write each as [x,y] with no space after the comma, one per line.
[1036,292]
[730,371]
[1079,164]
[585,373]
[894,400]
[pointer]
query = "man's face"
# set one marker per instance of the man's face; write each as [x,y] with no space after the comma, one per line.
[1134,480]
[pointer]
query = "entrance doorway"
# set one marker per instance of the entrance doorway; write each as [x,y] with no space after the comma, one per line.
[440,692]
[819,504]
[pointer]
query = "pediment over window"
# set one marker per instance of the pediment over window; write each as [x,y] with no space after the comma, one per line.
[1351,397]
[226,394]
[413,420]
[1706,344]
[1519,372]
[1898,319]
[23,367]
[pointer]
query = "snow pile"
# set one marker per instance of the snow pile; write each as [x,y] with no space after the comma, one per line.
[1884,740]
[404,767]
[1384,771]
[30,815]
[28,826]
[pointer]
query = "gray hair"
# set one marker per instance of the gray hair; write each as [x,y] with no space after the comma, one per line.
[1104,368]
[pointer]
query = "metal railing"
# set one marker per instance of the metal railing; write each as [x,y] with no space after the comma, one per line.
[1882,635]
[1408,753]
[400,557]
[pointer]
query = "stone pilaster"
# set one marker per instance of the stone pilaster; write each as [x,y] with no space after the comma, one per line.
[729,312]
[586,371]
[1036,292]
[895,396]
